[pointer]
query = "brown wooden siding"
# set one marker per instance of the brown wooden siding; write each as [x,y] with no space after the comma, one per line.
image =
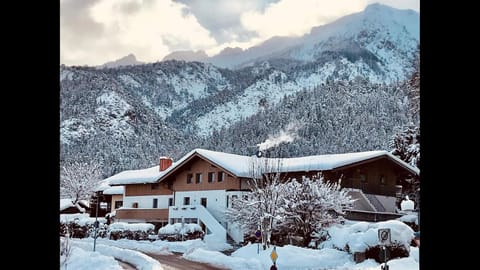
[199,165]
[143,214]
[146,189]
[392,174]
[373,172]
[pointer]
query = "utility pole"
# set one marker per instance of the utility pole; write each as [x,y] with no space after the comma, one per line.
[95,225]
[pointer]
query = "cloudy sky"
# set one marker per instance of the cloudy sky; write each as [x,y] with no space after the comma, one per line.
[93,32]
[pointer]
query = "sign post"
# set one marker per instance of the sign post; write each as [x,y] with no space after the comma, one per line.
[258,234]
[274,257]
[384,237]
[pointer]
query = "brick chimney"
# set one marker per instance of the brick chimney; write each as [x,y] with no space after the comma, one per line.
[165,162]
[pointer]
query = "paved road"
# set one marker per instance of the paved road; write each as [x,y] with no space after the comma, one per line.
[126,266]
[176,262]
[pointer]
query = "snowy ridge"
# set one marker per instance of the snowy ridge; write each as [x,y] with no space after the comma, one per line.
[171,106]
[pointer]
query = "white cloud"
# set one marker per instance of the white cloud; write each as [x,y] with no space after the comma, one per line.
[97,31]
[149,32]
[293,17]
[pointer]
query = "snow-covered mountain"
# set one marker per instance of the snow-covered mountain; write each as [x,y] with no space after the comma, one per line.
[124,61]
[389,34]
[186,56]
[170,107]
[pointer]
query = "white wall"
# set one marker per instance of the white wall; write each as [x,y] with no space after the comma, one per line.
[216,200]
[146,201]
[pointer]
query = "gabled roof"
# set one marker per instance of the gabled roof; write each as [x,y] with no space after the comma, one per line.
[240,166]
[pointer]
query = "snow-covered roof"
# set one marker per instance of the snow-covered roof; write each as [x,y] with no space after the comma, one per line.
[241,166]
[143,176]
[65,203]
[115,190]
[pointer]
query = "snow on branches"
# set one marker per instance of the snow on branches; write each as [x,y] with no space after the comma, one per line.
[311,204]
[78,180]
[297,207]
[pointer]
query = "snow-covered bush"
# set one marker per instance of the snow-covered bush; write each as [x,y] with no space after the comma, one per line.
[81,225]
[176,232]
[363,237]
[133,231]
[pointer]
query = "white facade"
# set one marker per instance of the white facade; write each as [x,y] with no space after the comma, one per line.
[146,201]
[215,201]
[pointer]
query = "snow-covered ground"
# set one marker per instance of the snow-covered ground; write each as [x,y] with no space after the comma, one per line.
[357,234]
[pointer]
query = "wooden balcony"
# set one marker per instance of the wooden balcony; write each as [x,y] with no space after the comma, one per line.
[142,214]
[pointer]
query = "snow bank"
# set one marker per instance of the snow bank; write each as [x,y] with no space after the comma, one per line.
[142,246]
[81,219]
[138,259]
[362,235]
[81,259]
[412,218]
[123,226]
[292,257]
[177,228]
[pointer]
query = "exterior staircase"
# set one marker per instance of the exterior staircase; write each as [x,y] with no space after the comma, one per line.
[218,232]
[375,202]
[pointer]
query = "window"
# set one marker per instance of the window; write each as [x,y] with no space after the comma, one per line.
[234,197]
[186,200]
[170,201]
[155,186]
[221,176]
[155,203]
[211,177]
[363,178]
[198,178]
[118,204]
[383,180]
[189,178]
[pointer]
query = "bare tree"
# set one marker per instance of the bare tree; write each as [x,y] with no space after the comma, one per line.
[311,204]
[259,209]
[78,180]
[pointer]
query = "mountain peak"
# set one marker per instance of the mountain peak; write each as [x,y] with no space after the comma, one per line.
[128,60]
[186,55]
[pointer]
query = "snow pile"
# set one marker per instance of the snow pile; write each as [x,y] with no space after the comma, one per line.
[362,235]
[144,246]
[292,257]
[411,218]
[80,219]
[123,226]
[81,259]
[138,259]
[177,228]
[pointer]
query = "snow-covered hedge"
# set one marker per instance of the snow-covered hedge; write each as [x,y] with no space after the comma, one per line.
[363,237]
[132,231]
[81,225]
[174,232]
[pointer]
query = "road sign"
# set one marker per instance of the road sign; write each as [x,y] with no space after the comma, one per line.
[273,267]
[258,234]
[384,254]
[384,236]
[274,255]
